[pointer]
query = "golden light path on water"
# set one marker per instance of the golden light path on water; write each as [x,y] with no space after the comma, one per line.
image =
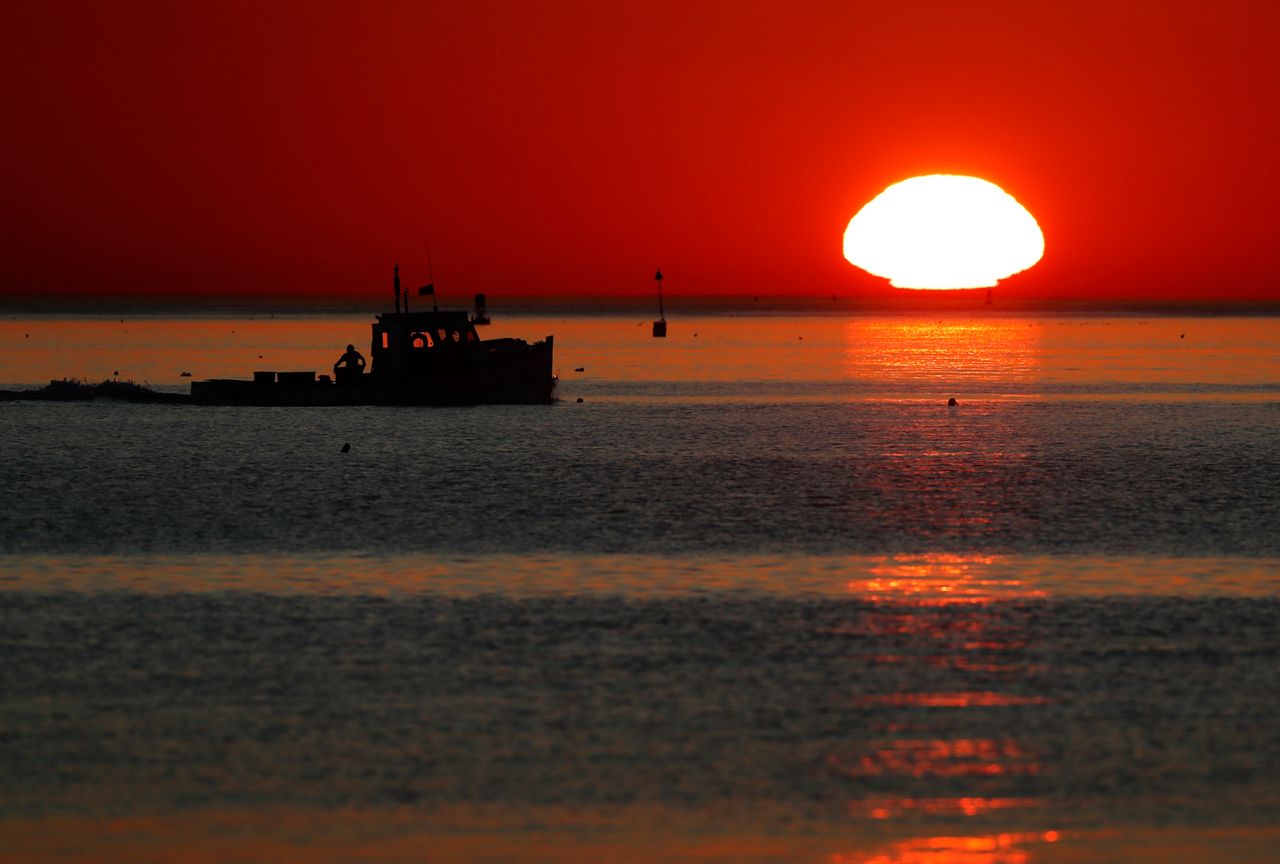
[988,352]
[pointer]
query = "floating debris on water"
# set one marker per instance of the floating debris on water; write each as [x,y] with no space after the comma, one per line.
[75,390]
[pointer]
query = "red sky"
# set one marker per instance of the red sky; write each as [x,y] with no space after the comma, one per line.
[571,148]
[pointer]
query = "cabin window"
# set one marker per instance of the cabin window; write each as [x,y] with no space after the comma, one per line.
[457,337]
[420,340]
[386,342]
[444,334]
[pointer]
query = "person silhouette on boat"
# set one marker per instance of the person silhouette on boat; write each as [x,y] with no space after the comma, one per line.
[350,365]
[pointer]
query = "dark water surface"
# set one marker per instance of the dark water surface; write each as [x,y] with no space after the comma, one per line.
[758,597]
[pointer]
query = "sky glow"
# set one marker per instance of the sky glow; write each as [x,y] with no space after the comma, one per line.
[256,152]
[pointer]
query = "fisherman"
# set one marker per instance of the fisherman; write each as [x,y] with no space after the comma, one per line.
[349,365]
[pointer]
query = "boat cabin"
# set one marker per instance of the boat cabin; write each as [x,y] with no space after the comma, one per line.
[408,341]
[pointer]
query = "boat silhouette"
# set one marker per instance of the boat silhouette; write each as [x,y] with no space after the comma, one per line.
[432,357]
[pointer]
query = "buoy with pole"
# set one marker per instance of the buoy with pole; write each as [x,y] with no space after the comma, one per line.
[660,326]
[482,315]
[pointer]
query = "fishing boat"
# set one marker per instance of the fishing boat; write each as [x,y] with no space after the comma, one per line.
[416,358]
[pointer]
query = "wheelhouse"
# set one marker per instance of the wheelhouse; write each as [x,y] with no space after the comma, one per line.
[406,340]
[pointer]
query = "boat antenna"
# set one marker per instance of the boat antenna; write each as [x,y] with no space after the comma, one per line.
[396,280]
[431,277]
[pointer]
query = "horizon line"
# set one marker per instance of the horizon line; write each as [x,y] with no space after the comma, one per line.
[953,301]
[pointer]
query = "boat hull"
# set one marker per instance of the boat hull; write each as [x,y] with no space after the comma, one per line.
[478,375]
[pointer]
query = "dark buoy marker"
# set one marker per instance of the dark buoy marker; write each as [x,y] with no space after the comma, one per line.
[481,315]
[951,403]
[346,448]
[660,326]
[579,399]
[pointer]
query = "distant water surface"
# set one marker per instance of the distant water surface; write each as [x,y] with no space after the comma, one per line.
[762,595]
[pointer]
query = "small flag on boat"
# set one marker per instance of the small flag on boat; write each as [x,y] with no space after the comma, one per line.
[426,289]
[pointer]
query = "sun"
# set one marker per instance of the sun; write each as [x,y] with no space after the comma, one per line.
[943,231]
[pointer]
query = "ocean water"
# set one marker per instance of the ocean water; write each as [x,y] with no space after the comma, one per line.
[761,595]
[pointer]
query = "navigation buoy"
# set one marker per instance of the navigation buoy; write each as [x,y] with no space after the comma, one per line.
[660,326]
[346,448]
[951,403]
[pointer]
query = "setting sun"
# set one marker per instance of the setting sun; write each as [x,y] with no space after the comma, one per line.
[943,231]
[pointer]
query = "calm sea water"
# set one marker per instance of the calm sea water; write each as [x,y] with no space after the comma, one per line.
[761,595]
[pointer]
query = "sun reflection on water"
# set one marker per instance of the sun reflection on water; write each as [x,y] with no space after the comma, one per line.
[956,354]
[1005,848]
[948,666]
[938,578]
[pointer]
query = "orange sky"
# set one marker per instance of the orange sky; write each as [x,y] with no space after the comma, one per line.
[571,148]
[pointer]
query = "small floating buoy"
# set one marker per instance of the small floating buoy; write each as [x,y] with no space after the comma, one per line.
[579,399]
[185,375]
[581,369]
[27,335]
[951,403]
[1183,336]
[346,448]
[116,374]
[259,356]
